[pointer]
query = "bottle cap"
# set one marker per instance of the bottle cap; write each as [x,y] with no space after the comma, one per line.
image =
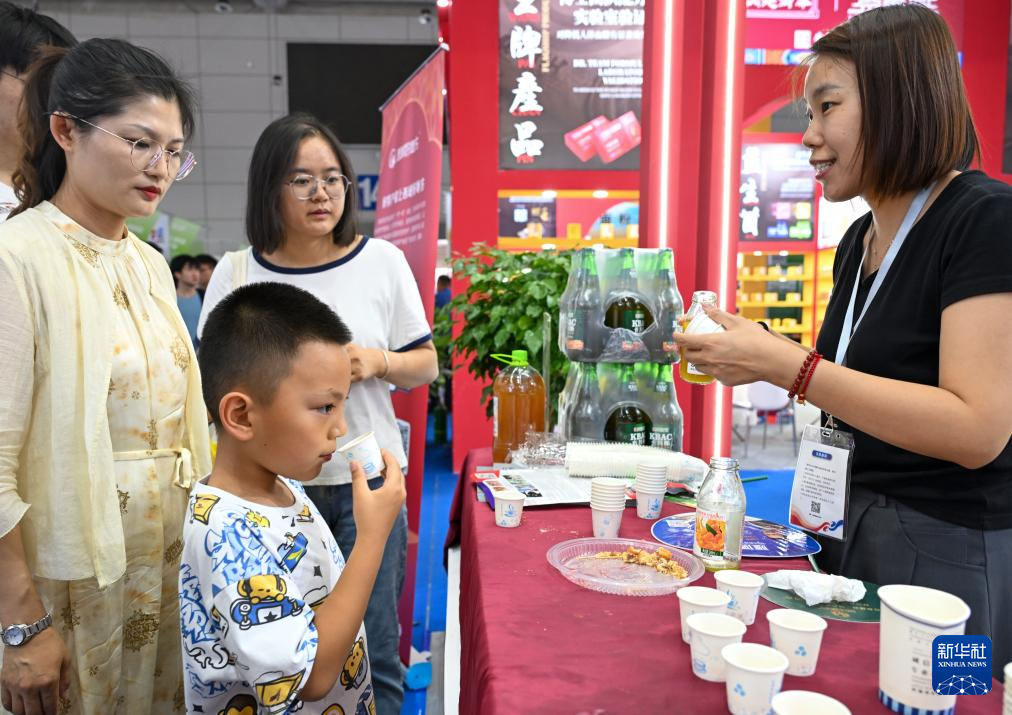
[518,358]
[704,296]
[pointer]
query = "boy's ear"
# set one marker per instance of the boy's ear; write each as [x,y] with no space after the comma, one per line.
[234,413]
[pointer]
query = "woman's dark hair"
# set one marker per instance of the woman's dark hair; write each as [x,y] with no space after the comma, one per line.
[97,78]
[916,124]
[269,170]
[23,32]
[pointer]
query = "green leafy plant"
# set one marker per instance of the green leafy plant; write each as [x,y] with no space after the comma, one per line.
[502,309]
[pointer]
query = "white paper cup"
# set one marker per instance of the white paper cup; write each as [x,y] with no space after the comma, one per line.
[754,674]
[607,498]
[798,635]
[653,486]
[699,599]
[912,617]
[365,450]
[805,702]
[743,587]
[608,502]
[652,472]
[508,511]
[648,506]
[709,632]
[606,523]
[608,485]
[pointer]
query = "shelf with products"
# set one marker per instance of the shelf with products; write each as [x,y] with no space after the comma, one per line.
[823,284]
[778,287]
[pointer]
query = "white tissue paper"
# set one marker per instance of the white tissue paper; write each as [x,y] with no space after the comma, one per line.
[817,588]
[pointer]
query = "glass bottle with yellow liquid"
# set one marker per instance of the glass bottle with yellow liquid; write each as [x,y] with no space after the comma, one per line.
[697,321]
[720,516]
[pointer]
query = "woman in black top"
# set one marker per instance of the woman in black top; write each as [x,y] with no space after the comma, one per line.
[926,388]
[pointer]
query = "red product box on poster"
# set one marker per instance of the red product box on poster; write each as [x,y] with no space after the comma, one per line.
[580,141]
[618,137]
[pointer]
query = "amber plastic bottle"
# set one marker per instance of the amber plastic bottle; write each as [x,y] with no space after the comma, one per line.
[518,399]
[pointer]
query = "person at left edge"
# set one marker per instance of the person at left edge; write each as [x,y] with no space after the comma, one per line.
[23,33]
[102,423]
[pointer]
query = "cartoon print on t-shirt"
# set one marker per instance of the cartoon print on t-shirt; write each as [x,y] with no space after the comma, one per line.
[242,704]
[366,702]
[355,667]
[201,507]
[257,519]
[275,693]
[293,551]
[263,601]
[305,516]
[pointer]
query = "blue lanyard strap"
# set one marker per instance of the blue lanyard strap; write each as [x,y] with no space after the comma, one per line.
[850,325]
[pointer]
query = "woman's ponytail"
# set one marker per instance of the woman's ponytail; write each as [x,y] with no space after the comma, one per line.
[41,162]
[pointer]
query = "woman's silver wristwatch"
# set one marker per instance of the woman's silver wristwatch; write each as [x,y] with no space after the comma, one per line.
[18,634]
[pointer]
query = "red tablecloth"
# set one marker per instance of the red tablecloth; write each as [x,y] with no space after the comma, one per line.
[532,642]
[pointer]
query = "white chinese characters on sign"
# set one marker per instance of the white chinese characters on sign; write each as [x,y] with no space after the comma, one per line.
[524,7]
[525,96]
[859,6]
[750,221]
[525,45]
[525,147]
[597,17]
[778,4]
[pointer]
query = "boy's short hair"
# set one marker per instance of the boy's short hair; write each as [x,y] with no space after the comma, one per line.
[205,259]
[252,336]
[23,32]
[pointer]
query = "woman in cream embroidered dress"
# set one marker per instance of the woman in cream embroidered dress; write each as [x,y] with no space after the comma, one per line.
[103,423]
[136,661]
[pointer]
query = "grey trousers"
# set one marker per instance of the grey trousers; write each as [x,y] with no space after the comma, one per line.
[892,543]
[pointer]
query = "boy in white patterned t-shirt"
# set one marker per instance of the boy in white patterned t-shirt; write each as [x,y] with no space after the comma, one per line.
[271,614]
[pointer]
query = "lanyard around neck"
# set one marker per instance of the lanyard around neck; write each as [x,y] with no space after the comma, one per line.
[849,323]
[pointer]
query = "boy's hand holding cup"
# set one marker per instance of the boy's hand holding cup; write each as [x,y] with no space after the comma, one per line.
[376,509]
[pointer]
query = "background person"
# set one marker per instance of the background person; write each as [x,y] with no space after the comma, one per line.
[186,274]
[300,221]
[102,424]
[23,33]
[207,265]
[926,381]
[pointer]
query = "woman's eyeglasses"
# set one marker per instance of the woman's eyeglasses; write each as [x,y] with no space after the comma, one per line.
[146,153]
[304,186]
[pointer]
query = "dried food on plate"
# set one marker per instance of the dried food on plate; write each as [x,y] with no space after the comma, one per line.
[659,560]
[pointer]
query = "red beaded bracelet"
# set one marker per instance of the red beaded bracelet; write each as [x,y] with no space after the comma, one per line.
[804,387]
[803,372]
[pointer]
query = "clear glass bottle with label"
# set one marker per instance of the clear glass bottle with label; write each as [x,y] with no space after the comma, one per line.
[720,516]
[696,321]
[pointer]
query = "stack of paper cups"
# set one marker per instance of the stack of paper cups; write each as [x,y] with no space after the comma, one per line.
[651,485]
[607,504]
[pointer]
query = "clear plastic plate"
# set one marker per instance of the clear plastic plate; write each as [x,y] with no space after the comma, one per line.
[615,576]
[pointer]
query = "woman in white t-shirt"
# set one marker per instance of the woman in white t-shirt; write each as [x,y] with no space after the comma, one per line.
[300,222]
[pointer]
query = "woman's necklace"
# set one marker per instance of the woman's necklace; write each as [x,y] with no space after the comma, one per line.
[875,250]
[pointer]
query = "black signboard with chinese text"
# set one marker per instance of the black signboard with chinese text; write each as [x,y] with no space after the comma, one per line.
[570,83]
